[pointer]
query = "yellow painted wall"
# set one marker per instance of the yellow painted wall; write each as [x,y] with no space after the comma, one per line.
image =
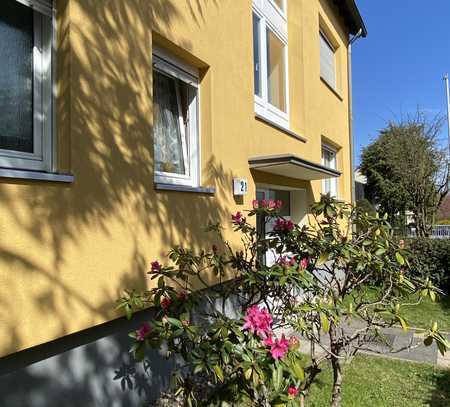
[67,251]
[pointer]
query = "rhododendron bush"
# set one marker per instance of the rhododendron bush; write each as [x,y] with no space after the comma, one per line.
[249,354]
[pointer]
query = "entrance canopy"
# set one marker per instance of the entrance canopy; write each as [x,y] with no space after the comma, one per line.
[289,165]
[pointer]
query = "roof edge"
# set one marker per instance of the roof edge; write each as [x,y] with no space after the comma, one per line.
[351,12]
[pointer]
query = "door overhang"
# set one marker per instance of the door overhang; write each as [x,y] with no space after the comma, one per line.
[289,165]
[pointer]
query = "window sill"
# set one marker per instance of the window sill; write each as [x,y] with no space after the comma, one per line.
[183,188]
[336,93]
[36,175]
[281,128]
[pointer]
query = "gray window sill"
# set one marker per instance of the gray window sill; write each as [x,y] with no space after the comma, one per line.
[182,188]
[35,175]
[281,128]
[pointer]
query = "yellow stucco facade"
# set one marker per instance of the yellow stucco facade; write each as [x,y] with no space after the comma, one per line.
[68,250]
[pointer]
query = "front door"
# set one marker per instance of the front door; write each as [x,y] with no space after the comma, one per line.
[265,226]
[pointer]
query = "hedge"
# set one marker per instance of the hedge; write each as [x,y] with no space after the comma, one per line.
[432,257]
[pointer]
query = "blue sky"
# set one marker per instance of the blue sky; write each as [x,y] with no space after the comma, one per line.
[400,65]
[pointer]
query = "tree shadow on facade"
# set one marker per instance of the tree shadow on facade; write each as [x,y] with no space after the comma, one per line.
[101,373]
[104,113]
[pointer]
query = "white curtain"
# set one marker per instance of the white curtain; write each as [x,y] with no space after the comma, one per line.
[168,131]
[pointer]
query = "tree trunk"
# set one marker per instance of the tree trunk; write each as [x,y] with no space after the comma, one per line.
[337,382]
[336,363]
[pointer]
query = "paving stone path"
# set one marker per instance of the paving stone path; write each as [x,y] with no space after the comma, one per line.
[396,338]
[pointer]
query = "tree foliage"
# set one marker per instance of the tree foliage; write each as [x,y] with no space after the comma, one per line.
[407,171]
[324,277]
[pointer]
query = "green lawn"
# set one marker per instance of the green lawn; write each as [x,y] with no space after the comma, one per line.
[422,315]
[381,382]
[427,311]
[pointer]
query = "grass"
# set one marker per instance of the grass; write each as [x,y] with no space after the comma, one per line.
[382,382]
[421,315]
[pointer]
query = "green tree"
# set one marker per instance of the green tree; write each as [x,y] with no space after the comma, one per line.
[324,277]
[406,170]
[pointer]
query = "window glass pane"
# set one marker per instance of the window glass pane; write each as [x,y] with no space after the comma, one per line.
[329,160]
[16,76]
[327,61]
[170,98]
[257,54]
[276,71]
[279,3]
[283,196]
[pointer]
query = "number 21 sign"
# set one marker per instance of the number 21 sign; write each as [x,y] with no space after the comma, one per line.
[240,186]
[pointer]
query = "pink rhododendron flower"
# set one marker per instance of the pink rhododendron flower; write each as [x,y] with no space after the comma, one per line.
[292,391]
[258,321]
[268,341]
[304,262]
[255,204]
[271,204]
[263,203]
[283,225]
[237,217]
[294,342]
[156,267]
[143,331]
[285,261]
[279,347]
[165,303]
[278,204]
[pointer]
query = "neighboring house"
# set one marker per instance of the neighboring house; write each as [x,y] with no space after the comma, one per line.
[360,185]
[123,125]
[444,210]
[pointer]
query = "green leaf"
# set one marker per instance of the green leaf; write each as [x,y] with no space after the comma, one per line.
[219,373]
[175,322]
[433,296]
[400,259]
[298,371]
[248,373]
[403,323]
[322,259]
[255,377]
[277,376]
[325,322]
[380,251]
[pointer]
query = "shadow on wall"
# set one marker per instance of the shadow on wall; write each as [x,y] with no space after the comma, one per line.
[106,109]
[100,374]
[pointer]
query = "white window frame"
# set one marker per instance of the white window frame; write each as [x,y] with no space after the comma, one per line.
[167,64]
[272,18]
[41,159]
[333,49]
[333,182]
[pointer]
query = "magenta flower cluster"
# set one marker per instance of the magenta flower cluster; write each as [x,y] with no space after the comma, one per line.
[304,263]
[143,332]
[267,204]
[278,347]
[237,217]
[283,225]
[155,267]
[286,261]
[258,321]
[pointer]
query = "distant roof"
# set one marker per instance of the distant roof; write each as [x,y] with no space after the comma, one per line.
[352,16]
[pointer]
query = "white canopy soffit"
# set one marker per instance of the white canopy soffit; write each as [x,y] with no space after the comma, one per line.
[289,165]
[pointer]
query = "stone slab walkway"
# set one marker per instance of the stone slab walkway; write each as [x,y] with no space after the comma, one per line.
[396,338]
